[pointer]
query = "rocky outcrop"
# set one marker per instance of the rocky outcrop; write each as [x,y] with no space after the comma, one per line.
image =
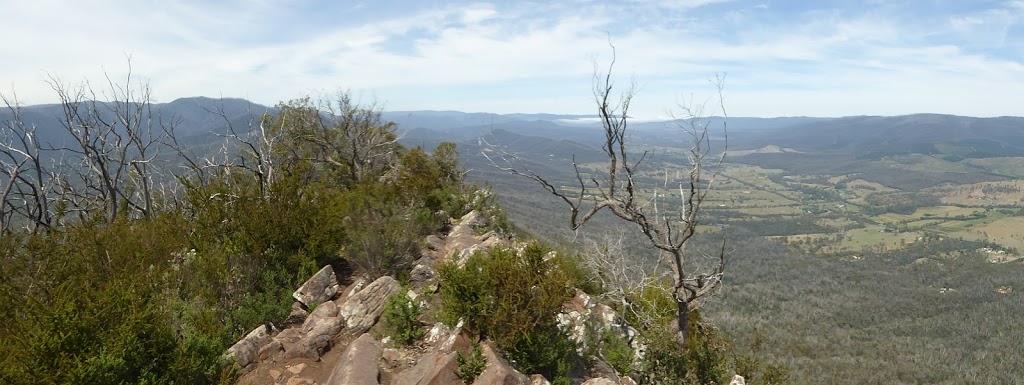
[444,339]
[362,309]
[422,274]
[583,308]
[432,369]
[245,352]
[358,364]
[321,287]
[498,371]
[316,332]
[600,381]
[537,379]
[462,240]
[324,315]
[297,315]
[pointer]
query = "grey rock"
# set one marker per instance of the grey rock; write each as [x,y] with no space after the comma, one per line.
[245,352]
[498,371]
[297,315]
[420,275]
[362,309]
[317,332]
[358,364]
[321,287]
[431,369]
[738,380]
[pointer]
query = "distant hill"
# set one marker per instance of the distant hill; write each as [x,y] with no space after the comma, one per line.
[873,137]
[854,144]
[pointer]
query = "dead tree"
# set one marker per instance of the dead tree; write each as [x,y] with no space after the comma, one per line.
[112,151]
[26,195]
[615,188]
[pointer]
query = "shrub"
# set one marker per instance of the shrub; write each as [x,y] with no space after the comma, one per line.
[470,366]
[706,358]
[401,318]
[382,241]
[617,353]
[664,361]
[512,298]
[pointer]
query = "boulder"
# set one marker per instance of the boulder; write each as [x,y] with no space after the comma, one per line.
[434,242]
[431,369]
[600,381]
[358,364]
[420,275]
[297,315]
[270,350]
[362,309]
[738,380]
[319,315]
[498,371]
[246,352]
[538,379]
[582,309]
[316,333]
[356,285]
[473,219]
[321,287]
[444,339]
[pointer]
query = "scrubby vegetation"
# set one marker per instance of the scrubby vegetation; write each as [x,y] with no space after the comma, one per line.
[401,318]
[158,298]
[512,297]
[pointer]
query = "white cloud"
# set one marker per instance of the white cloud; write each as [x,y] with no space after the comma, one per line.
[814,63]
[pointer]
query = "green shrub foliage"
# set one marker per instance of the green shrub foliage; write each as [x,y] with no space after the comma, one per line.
[401,318]
[617,352]
[470,365]
[512,298]
[158,300]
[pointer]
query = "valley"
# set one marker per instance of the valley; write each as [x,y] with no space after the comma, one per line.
[902,268]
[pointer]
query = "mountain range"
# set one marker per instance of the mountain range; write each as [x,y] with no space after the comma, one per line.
[847,144]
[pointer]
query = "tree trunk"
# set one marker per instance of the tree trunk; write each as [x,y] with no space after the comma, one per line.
[683,312]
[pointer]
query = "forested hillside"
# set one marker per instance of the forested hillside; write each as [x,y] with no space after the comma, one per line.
[135,259]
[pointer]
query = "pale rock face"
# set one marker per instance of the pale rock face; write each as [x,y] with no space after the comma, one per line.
[321,287]
[738,380]
[362,309]
[245,352]
[443,338]
[316,332]
[358,364]
[600,381]
[537,379]
[498,371]
[582,308]
[421,274]
[431,369]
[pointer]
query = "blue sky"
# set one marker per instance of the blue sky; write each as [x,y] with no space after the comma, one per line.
[782,58]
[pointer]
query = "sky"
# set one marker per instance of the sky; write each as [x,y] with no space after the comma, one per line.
[778,58]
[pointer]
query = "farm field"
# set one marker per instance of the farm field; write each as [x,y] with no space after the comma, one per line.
[835,214]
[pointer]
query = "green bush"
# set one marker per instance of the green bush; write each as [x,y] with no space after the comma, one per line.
[706,359]
[617,353]
[512,297]
[159,300]
[664,362]
[470,366]
[401,318]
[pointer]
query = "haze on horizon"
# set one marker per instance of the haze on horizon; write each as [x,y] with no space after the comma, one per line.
[782,58]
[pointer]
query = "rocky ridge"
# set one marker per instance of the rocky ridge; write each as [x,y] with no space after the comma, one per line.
[329,335]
